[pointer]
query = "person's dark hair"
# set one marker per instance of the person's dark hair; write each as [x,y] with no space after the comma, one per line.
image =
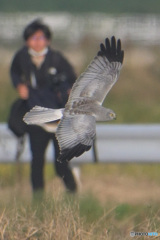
[34,27]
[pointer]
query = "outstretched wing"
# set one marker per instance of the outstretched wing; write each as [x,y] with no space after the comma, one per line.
[75,135]
[101,74]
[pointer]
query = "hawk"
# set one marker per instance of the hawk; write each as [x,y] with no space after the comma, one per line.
[76,130]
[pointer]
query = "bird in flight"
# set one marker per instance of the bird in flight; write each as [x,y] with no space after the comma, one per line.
[77,128]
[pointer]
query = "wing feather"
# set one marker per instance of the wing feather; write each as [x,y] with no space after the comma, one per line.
[39,115]
[75,135]
[101,74]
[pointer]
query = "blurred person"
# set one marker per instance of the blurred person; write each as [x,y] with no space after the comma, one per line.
[42,76]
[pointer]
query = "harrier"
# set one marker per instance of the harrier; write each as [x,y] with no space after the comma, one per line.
[77,128]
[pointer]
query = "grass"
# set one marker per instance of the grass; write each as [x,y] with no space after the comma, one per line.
[62,220]
[96,212]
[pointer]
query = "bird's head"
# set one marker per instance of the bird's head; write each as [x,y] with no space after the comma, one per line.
[110,115]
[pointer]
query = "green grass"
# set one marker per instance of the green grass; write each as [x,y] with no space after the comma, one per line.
[9,172]
[90,208]
[82,216]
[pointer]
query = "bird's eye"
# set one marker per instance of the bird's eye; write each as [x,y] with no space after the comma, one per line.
[112,115]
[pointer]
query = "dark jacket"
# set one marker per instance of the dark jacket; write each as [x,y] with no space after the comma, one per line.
[47,83]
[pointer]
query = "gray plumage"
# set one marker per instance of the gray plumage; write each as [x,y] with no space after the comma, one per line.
[39,115]
[77,128]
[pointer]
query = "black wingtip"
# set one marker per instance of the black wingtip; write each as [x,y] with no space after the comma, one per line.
[76,151]
[112,50]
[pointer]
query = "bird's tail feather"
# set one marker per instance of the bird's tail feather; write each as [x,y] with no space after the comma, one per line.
[39,115]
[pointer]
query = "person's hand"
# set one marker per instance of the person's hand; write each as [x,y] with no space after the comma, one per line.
[23,91]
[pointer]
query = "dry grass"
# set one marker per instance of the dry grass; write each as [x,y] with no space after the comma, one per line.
[114,200]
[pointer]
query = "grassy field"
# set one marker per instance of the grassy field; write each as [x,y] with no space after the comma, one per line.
[113,201]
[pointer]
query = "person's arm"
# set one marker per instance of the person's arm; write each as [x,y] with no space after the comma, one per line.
[16,78]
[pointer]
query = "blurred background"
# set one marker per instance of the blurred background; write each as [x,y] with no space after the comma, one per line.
[117,198]
[78,29]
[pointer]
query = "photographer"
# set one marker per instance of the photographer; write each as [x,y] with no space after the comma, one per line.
[43,77]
